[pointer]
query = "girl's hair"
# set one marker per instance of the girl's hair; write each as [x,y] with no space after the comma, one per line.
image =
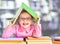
[26,12]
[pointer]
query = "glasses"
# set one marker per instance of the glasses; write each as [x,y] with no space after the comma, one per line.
[26,19]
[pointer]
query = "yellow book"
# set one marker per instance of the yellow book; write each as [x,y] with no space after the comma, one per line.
[41,40]
[11,41]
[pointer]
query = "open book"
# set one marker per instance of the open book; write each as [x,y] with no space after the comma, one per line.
[16,16]
[28,9]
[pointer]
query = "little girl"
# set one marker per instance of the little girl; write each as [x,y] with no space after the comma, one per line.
[26,27]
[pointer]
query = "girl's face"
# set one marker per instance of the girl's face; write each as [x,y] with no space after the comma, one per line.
[25,20]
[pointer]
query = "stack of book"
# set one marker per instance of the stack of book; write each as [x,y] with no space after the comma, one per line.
[12,41]
[42,40]
[56,40]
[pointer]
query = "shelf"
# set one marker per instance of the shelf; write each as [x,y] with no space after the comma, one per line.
[8,0]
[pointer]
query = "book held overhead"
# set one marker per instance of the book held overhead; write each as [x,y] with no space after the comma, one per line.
[28,9]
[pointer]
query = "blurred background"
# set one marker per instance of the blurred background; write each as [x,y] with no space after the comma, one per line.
[48,11]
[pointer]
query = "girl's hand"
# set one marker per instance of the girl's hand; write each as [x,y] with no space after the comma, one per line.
[11,22]
[37,21]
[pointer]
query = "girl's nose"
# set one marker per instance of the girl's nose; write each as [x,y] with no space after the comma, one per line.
[25,20]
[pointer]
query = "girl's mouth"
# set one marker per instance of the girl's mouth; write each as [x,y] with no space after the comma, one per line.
[25,23]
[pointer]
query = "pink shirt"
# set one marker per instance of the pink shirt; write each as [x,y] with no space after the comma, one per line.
[33,31]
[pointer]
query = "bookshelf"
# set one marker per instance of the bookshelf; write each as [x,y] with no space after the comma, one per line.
[6,6]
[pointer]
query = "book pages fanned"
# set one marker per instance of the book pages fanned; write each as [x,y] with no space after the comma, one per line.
[16,16]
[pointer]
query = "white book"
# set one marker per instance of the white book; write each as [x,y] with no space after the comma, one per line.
[16,15]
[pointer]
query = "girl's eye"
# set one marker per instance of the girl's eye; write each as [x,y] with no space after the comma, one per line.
[25,18]
[28,18]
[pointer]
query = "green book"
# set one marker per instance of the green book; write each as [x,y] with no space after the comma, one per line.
[28,9]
